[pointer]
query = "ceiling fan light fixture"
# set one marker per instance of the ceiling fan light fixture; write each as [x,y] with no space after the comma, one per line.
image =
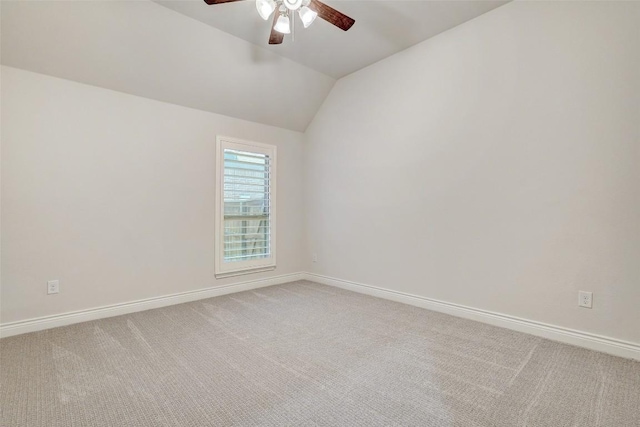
[283,12]
[307,16]
[265,8]
[282,25]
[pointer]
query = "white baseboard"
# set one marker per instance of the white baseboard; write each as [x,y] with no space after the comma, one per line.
[41,323]
[556,333]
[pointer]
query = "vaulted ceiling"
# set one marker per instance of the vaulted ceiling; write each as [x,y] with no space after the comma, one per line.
[382,28]
[145,49]
[215,58]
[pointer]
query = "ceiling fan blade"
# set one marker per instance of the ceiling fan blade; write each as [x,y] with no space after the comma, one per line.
[275,37]
[331,15]
[210,2]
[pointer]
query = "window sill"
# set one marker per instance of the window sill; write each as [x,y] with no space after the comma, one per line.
[243,272]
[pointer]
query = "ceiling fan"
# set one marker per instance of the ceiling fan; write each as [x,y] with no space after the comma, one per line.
[308,11]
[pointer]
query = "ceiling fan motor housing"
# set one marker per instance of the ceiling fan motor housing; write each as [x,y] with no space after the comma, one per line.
[292,4]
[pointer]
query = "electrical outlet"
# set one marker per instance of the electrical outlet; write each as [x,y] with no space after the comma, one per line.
[314,257]
[585,299]
[53,286]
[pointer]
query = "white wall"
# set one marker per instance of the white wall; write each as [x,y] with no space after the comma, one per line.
[114,195]
[495,166]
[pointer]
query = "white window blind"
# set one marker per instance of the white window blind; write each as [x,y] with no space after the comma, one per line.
[246,202]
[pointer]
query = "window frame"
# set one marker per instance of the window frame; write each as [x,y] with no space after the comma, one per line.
[236,268]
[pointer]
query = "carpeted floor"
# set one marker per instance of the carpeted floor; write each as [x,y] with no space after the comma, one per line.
[306,354]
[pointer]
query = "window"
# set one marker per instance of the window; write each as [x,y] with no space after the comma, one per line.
[245,207]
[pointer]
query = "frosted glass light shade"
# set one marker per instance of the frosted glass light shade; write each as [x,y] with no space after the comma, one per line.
[282,25]
[265,8]
[307,16]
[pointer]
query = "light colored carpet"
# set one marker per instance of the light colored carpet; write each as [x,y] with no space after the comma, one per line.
[306,354]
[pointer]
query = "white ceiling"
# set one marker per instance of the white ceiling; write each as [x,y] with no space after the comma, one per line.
[382,28]
[146,49]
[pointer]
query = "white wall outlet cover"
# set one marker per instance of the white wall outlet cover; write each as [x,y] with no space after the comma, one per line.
[53,286]
[585,299]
